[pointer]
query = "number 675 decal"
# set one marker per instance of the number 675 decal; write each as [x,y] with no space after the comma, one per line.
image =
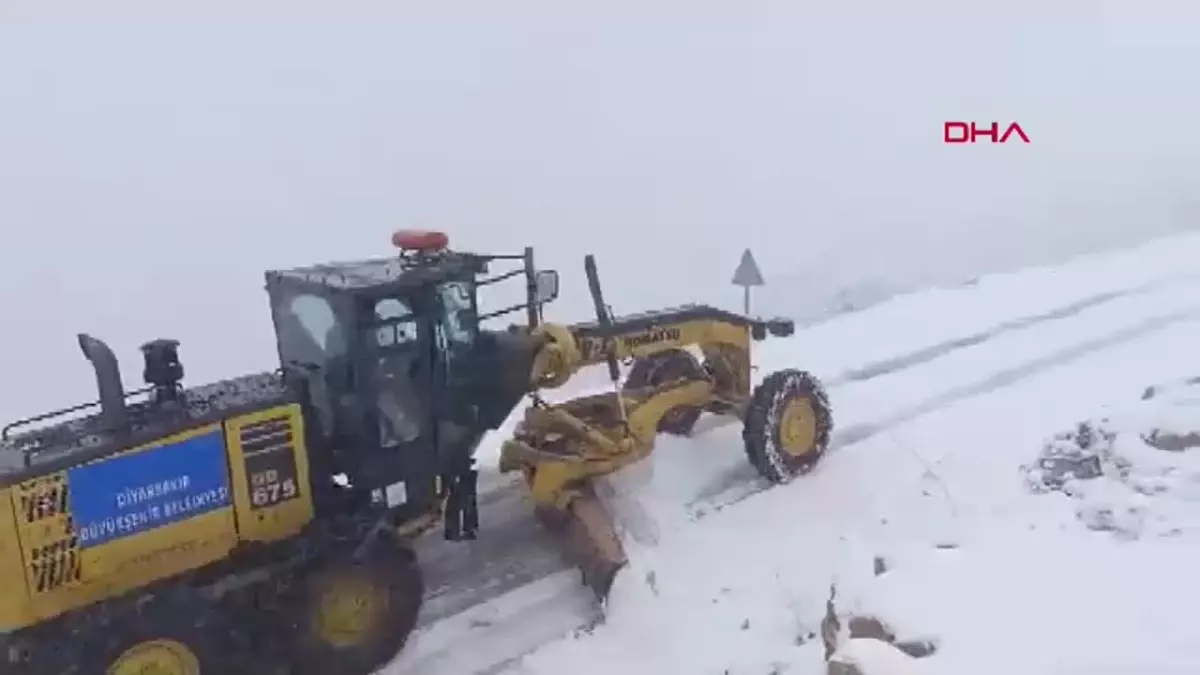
[267,489]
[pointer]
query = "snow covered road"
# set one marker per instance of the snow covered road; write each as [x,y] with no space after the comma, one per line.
[939,398]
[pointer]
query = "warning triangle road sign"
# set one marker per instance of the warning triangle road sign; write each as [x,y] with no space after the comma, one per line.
[747,273]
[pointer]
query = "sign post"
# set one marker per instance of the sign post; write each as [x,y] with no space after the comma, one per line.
[747,275]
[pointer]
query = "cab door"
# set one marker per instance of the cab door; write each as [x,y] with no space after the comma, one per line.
[396,381]
[457,432]
[456,325]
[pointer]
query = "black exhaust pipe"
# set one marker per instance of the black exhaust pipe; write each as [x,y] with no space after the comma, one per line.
[108,382]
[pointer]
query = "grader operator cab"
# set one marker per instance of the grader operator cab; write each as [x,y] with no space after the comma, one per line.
[264,524]
[400,378]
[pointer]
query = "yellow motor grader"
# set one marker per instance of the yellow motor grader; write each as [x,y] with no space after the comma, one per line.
[265,524]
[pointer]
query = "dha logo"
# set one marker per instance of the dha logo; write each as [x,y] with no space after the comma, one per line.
[964,132]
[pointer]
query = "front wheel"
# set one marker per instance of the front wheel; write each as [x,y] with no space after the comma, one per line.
[788,423]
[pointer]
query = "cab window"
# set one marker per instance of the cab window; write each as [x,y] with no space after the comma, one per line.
[457,323]
[308,330]
[398,398]
[396,324]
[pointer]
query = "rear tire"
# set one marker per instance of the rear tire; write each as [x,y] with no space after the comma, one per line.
[661,368]
[787,425]
[352,617]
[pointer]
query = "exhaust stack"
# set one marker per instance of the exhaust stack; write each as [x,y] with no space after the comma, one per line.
[108,383]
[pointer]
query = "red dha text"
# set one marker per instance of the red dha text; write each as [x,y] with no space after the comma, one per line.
[969,132]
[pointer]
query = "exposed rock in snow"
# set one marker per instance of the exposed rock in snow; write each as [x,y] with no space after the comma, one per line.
[1129,472]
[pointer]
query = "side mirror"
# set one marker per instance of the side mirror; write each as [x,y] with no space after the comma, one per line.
[546,282]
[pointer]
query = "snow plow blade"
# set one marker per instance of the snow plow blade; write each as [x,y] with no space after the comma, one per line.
[589,541]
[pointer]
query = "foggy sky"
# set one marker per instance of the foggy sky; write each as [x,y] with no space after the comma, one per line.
[149,173]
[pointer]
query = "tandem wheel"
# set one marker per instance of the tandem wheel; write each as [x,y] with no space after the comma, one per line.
[175,632]
[352,616]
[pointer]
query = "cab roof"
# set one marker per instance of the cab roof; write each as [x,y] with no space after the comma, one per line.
[402,271]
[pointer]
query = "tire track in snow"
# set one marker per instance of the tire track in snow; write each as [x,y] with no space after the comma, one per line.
[743,474]
[747,483]
[926,354]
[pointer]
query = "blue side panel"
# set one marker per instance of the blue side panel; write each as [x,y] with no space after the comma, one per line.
[132,493]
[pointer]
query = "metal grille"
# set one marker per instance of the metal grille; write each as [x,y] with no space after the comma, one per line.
[53,559]
[55,565]
[270,435]
[43,498]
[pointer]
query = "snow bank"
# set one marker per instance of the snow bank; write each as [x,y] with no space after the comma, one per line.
[1097,580]
[1046,602]
[1084,599]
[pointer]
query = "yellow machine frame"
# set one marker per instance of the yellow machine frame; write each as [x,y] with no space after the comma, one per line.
[561,448]
[40,544]
[612,430]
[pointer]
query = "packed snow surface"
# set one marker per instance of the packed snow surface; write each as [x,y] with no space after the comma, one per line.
[1012,486]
